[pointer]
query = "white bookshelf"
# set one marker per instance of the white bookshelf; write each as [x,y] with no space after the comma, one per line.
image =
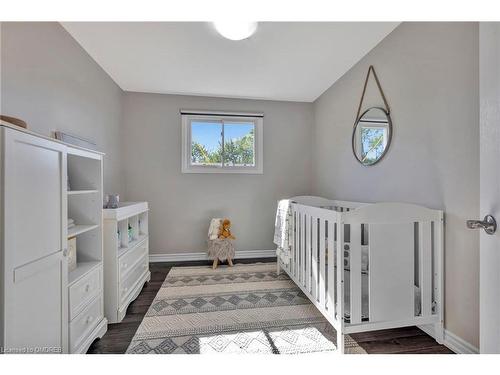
[50,306]
[126,256]
[85,282]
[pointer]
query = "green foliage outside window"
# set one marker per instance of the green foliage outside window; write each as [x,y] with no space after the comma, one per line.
[236,152]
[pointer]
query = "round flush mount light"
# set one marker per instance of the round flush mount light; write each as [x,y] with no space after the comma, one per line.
[235,30]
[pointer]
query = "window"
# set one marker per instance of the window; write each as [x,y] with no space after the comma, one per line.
[221,143]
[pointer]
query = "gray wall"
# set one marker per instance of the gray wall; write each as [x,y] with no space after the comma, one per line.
[182,204]
[49,81]
[429,72]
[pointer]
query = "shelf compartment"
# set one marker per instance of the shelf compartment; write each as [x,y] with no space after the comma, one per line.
[83,173]
[82,268]
[88,245]
[85,208]
[80,229]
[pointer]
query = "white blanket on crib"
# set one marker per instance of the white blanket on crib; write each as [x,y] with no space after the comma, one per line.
[281,229]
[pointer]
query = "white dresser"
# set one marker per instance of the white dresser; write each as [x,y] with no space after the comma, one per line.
[45,307]
[126,257]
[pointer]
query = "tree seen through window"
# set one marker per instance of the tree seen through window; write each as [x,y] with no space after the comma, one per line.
[216,143]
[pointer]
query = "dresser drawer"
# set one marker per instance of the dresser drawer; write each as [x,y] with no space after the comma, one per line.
[84,323]
[128,260]
[85,289]
[133,277]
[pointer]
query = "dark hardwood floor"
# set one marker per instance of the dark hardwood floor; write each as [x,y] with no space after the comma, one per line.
[409,340]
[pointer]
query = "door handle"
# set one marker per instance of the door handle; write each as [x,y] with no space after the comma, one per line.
[489,224]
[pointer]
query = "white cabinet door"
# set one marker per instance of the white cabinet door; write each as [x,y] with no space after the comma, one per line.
[490,185]
[35,273]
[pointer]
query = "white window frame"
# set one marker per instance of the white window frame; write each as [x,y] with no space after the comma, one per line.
[234,117]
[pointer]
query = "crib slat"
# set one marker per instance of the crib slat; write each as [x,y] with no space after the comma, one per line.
[322,240]
[292,246]
[314,259]
[291,237]
[330,298]
[302,248]
[425,256]
[438,275]
[307,283]
[355,282]
[294,242]
[340,270]
[296,245]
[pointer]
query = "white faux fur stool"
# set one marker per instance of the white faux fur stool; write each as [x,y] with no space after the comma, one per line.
[220,250]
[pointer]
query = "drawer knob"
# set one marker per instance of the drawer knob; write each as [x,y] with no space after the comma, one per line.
[89,319]
[124,265]
[87,287]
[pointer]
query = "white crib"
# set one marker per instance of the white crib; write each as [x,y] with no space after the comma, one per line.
[392,256]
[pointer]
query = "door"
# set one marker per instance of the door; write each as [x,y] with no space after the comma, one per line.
[35,277]
[489,71]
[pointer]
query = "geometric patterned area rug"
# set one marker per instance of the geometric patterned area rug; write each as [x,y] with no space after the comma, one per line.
[247,308]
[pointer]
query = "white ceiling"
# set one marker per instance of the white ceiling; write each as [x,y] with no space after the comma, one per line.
[294,61]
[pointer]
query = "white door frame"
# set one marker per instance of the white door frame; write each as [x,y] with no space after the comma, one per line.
[489,73]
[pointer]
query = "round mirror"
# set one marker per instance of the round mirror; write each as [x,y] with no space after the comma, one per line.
[372,134]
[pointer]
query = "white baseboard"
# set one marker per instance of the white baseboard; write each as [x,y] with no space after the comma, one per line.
[452,341]
[183,257]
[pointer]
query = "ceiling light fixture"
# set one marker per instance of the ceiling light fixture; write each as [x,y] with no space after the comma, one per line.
[235,30]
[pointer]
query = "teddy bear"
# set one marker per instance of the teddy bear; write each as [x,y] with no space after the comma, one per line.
[225,230]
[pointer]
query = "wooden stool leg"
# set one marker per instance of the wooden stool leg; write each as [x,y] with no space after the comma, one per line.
[216,261]
[230,262]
